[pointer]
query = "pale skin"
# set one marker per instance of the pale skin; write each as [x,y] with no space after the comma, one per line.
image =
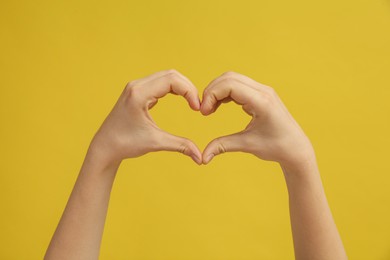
[129,132]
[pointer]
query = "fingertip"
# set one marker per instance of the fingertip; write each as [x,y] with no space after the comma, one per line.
[208,158]
[195,103]
[196,159]
[195,153]
[204,110]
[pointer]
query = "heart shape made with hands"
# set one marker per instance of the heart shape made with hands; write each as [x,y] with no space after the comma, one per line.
[272,133]
[221,90]
[183,122]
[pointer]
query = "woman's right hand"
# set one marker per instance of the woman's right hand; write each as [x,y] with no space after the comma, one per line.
[272,134]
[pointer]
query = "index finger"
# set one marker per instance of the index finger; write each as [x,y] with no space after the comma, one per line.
[175,82]
[229,88]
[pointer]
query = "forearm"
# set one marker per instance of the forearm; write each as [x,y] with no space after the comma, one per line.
[315,234]
[79,232]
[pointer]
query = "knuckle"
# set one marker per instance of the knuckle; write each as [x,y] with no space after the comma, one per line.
[130,84]
[270,90]
[229,73]
[221,149]
[267,98]
[132,90]
[228,79]
[268,87]
[184,146]
[173,75]
[220,146]
[129,87]
[172,72]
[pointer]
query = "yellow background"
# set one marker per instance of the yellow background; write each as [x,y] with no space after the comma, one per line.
[64,64]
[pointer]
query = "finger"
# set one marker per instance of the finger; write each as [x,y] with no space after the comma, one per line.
[169,142]
[261,88]
[228,88]
[150,77]
[229,143]
[175,82]
[243,78]
[219,102]
[166,72]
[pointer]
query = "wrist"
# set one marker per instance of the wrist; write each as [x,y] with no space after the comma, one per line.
[305,166]
[302,177]
[101,158]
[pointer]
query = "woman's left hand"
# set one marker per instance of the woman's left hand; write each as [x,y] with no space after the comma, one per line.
[129,130]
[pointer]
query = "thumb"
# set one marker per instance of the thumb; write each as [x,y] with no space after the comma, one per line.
[170,142]
[229,143]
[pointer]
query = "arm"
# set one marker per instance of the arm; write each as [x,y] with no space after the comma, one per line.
[127,132]
[314,231]
[78,234]
[274,135]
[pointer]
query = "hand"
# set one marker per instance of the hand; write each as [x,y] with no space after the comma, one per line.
[129,130]
[272,134]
